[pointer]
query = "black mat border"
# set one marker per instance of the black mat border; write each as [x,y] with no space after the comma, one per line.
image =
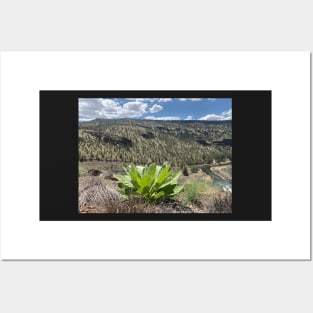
[251,147]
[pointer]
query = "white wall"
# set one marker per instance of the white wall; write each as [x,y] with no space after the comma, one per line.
[46,286]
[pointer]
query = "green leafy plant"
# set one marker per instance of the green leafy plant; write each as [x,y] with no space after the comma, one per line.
[153,183]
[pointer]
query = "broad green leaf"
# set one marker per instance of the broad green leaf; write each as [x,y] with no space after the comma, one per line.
[168,189]
[135,178]
[146,181]
[151,171]
[143,191]
[123,190]
[171,180]
[164,173]
[124,180]
[172,190]
[140,170]
[177,189]
[158,195]
[157,172]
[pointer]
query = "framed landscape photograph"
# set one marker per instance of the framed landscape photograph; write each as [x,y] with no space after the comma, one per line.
[156,155]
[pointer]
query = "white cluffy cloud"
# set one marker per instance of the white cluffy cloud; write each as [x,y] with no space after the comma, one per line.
[156,108]
[211,117]
[163,118]
[229,112]
[150,99]
[188,118]
[165,99]
[189,99]
[224,116]
[90,108]
[196,99]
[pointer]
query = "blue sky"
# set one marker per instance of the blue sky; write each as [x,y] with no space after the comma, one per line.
[212,109]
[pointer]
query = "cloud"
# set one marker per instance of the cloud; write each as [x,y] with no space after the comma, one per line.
[150,99]
[155,108]
[163,118]
[211,117]
[91,108]
[165,99]
[107,106]
[211,99]
[188,118]
[189,99]
[224,116]
[228,113]
[228,118]
[133,109]
[84,119]
[142,99]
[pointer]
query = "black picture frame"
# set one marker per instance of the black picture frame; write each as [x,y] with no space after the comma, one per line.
[251,178]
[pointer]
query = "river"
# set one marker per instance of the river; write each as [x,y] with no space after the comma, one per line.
[220,183]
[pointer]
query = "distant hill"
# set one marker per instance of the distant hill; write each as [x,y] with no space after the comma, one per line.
[98,121]
[144,141]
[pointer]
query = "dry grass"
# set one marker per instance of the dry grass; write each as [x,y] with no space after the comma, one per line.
[199,194]
[95,195]
[195,177]
[223,203]
[98,195]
